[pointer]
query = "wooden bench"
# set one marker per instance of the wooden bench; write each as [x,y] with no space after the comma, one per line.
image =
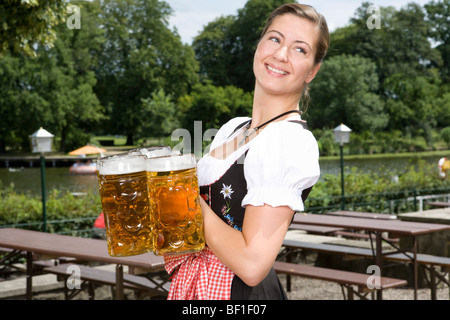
[91,275]
[329,248]
[346,279]
[430,262]
[439,204]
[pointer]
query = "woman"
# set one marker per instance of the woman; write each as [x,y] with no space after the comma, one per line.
[259,170]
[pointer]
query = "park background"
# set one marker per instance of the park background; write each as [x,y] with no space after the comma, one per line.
[124,77]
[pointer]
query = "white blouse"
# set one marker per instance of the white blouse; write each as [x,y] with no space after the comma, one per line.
[282,161]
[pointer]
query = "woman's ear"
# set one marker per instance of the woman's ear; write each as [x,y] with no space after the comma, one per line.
[312,73]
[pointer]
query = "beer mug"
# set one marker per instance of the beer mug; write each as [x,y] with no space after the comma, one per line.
[124,196]
[153,151]
[174,204]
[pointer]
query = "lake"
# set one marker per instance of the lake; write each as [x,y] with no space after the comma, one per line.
[27,179]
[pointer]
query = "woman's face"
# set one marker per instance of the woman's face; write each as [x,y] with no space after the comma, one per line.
[284,58]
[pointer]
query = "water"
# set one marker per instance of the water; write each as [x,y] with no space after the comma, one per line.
[28,180]
[390,164]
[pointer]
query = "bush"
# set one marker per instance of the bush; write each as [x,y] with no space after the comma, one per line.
[445,134]
[373,190]
[24,208]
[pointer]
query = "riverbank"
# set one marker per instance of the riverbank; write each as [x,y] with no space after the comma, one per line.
[52,159]
[423,154]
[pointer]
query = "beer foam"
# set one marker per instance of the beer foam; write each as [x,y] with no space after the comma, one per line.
[171,163]
[156,153]
[121,164]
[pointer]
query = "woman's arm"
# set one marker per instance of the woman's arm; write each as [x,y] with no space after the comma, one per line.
[249,254]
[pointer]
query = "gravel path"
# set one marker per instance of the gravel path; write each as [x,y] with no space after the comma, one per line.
[311,289]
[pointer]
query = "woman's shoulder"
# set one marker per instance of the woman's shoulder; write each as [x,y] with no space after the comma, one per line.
[232,124]
[288,133]
[229,127]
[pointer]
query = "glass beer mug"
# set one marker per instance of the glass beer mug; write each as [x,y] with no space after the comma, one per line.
[153,152]
[174,204]
[124,196]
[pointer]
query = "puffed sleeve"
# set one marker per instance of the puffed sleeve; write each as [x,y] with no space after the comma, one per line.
[281,163]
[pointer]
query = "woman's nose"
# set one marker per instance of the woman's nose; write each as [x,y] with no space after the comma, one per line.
[281,54]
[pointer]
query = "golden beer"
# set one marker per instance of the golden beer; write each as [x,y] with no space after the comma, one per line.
[124,195]
[174,205]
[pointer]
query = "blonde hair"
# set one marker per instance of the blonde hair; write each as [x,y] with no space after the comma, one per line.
[309,13]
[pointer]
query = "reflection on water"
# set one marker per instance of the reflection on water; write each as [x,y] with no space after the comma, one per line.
[29,179]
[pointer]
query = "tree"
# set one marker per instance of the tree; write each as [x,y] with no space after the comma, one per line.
[139,57]
[76,109]
[210,46]
[401,45]
[159,112]
[213,105]
[438,13]
[344,91]
[20,104]
[27,23]
[411,103]
[53,90]
[232,42]
[445,134]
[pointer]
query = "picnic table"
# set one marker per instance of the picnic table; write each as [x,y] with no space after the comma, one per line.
[90,250]
[358,214]
[378,227]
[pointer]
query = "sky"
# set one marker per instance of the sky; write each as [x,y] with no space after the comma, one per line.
[190,16]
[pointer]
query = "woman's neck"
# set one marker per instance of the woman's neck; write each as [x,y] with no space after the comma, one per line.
[267,106]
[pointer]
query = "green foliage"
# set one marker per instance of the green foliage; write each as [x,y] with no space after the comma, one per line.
[214,105]
[359,107]
[231,42]
[445,133]
[160,114]
[126,72]
[20,208]
[139,57]
[26,23]
[373,191]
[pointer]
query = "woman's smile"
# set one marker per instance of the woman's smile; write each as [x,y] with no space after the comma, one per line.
[276,71]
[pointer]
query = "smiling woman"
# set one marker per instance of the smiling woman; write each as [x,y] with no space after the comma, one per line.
[299,44]
[259,171]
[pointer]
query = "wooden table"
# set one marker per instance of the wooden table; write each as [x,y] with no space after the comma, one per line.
[357,214]
[90,250]
[377,227]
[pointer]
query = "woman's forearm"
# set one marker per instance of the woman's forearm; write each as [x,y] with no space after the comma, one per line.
[250,253]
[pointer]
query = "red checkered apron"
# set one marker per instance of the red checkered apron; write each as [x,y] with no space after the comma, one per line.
[198,276]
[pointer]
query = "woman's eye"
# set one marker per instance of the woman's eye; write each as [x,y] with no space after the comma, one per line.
[301,50]
[274,39]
